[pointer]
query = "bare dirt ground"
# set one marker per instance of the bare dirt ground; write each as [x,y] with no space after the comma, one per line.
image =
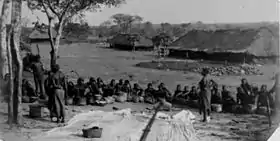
[88,60]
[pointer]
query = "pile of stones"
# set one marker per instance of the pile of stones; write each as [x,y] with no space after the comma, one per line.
[231,70]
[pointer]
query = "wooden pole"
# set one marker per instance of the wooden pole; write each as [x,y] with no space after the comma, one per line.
[149,126]
[268,110]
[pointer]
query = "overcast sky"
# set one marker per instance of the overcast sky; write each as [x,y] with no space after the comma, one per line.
[180,11]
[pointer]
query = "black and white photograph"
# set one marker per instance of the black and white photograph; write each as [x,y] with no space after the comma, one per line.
[139,70]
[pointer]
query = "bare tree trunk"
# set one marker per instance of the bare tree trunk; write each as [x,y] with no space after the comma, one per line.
[16,26]
[56,42]
[11,82]
[3,36]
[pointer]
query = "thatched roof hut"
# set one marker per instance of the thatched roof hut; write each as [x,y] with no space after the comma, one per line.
[41,35]
[261,42]
[121,41]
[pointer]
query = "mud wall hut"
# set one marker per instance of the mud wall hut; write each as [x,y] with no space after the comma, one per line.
[121,41]
[37,36]
[233,45]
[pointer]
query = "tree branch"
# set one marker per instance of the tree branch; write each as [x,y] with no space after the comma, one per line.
[52,9]
[50,33]
[65,10]
[46,10]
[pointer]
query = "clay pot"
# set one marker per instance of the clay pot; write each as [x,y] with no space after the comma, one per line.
[94,132]
[216,107]
[91,100]
[69,101]
[82,101]
[25,99]
[98,97]
[135,99]
[249,109]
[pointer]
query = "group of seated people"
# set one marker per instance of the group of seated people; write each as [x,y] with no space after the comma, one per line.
[150,95]
[246,94]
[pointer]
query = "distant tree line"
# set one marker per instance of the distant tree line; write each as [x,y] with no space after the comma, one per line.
[126,23]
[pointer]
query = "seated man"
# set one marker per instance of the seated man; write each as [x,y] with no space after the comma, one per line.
[178,92]
[71,89]
[186,92]
[80,90]
[193,95]
[137,93]
[246,87]
[28,89]
[110,89]
[216,97]
[242,97]
[264,98]
[149,94]
[92,90]
[119,87]
[227,99]
[162,95]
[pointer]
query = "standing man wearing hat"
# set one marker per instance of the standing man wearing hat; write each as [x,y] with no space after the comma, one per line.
[205,95]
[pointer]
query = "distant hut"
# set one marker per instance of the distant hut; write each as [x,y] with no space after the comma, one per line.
[232,45]
[121,41]
[40,35]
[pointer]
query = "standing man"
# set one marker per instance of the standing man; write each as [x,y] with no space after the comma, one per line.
[275,89]
[38,74]
[58,87]
[205,95]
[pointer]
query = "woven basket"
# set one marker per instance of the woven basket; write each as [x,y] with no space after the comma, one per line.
[141,99]
[236,109]
[109,100]
[249,109]
[135,99]
[36,111]
[94,132]
[122,98]
[216,107]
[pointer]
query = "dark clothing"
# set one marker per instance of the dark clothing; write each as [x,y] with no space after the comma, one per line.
[38,74]
[163,94]
[246,88]
[262,97]
[193,95]
[216,98]
[226,96]
[275,89]
[227,100]
[79,93]
[118,88]
[94,89]
[28,90]
[149,96]
[178,93]
[205,97]
[137,92]
[110,90]
[56,84]
[57,107]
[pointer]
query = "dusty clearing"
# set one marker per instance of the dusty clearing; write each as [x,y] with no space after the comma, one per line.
[88,60]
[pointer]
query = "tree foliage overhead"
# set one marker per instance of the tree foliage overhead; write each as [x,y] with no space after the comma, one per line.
[70,8]
[125,21]
[63,11]
[75,29]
